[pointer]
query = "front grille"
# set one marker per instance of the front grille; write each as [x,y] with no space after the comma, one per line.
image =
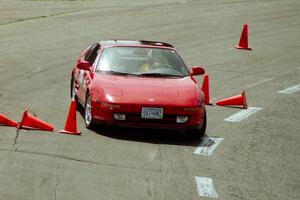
[136,118]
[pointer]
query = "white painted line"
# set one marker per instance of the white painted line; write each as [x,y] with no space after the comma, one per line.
[208,145]
[205,187]
[243,114]
[290,90]
[259,82]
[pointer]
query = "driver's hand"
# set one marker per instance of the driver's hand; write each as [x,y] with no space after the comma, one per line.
[145,68]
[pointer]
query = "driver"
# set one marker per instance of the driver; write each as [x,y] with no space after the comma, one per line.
[149,65]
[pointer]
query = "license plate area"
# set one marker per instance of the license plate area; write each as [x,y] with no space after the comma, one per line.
[152,113]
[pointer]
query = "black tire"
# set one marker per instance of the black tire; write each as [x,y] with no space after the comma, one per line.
[88,118]
[197,133]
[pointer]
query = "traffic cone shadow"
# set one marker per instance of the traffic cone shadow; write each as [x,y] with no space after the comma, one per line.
[238,100]
[4,121]
[33,123]
[205,89]
[71,124]
[243,44]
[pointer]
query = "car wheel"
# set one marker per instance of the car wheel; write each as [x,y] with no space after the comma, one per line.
[197,133]
[88,118]
[73,94]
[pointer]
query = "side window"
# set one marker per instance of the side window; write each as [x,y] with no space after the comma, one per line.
[91,53]
[86,53]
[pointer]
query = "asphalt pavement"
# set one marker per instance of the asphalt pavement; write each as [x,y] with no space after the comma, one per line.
[258,157]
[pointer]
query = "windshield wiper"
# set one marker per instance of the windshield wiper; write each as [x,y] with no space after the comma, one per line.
[119,73]
[160,75]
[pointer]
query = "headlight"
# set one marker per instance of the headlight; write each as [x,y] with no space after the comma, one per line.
[120,117]
[181,119]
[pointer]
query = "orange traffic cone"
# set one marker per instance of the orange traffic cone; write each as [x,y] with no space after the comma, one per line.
[205,89]
[238,100]
[243,44]
[71,125]
[7,122]
[29,121]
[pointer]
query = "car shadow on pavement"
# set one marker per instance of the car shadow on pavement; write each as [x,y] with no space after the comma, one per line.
[154,136]
[146,135]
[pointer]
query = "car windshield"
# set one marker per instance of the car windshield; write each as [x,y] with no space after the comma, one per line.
[141,61]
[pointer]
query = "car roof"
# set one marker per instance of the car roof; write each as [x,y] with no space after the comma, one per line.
[134,43]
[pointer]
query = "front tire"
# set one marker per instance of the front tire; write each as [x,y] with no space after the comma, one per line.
[88,118]
[73,89]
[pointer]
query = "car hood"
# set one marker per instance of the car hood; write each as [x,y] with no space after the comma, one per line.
[149,90]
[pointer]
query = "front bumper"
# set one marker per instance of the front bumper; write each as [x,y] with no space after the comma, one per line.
[133,116]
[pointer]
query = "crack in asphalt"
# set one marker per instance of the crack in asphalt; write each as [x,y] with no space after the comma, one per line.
[16,138]
[160,158]
[23,20]
[38,17]
[55,191]
[79,160]
[137,7]
[164,197]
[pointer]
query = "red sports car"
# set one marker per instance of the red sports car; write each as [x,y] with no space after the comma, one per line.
[138,84]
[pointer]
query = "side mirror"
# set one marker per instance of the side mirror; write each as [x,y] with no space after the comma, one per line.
[85,65]
[196,70]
